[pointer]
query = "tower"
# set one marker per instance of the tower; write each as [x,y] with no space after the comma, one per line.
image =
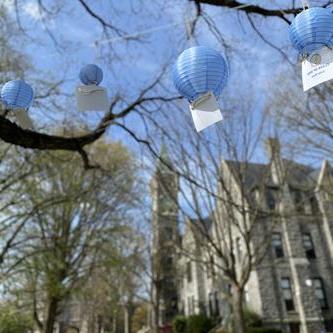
[164,193]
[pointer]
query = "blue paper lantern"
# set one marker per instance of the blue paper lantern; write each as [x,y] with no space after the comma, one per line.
[312,29]
[91,74]
[17,95]
[200,70]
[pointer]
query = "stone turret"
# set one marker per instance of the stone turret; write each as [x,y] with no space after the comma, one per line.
[164,190]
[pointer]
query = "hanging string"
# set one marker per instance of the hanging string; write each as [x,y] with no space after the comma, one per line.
[189,26]
[155,29]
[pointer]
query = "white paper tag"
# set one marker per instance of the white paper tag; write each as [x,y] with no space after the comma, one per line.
[318,68]
[92,98]
[205,111]
[23,119]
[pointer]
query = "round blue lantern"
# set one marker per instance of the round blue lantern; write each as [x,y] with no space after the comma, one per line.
[91,74]
[312,29]
[17,95]
[200,70]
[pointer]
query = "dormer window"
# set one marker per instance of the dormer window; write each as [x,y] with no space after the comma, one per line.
[271,198]
[298,199]
[314,205]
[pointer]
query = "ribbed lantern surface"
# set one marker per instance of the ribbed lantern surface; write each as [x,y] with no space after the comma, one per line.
[199,70]
[91,74]
[17,95]
[312,29]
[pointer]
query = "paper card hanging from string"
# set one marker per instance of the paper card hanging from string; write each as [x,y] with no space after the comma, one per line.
[91,98]
[205,111]
[317,68]
[23,119]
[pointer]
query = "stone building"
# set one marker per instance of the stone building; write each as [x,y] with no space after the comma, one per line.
[291,288]
[166,240]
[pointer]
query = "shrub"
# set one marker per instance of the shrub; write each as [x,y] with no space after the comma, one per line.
[12,321]
[179,324]
[252,319]
[199,324]
[262,330]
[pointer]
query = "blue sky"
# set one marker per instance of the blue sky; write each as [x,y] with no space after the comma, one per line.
[256,67]
[129,65]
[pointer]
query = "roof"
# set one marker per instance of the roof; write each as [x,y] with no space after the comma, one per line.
[254,174]
[299,174]
[203,225]
[249,174]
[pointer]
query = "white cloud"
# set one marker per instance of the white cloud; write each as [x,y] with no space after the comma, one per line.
[32,10]
[8,5]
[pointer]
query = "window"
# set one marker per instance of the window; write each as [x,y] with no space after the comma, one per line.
[308,246]
[210,303]
[314,205]
[214,306]
[190,305]
[168,233]
[239,248]
[229,289]
[294,327]
[193,305]
[277,245]
[174,302]
[182,307]
[189,271]
[270,199]
[298,201]
[287,294]
[320,292]
[189,309]
[169,263]
[211,267]
[217,304]
[246,294]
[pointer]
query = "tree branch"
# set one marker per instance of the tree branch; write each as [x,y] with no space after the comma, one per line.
[256,9]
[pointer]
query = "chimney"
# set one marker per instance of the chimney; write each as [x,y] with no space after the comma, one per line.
[273,149]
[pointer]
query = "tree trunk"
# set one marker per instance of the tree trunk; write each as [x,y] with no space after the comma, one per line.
[126,319]
[51,315]
[238,314]
[114,322]
[156,316]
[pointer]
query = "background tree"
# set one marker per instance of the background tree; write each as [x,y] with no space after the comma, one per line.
[304,120]
[218,183]
[76,214]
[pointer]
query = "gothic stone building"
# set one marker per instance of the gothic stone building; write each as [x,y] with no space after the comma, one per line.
[292,287]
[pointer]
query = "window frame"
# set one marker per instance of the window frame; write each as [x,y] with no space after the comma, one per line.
[322,301]
[288,301]
[278,250]
[189,277]
[211,304]
[298,200]
[168,233]
[239,248]
[310,251]
[169,262]
[270,196]
[216,304]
